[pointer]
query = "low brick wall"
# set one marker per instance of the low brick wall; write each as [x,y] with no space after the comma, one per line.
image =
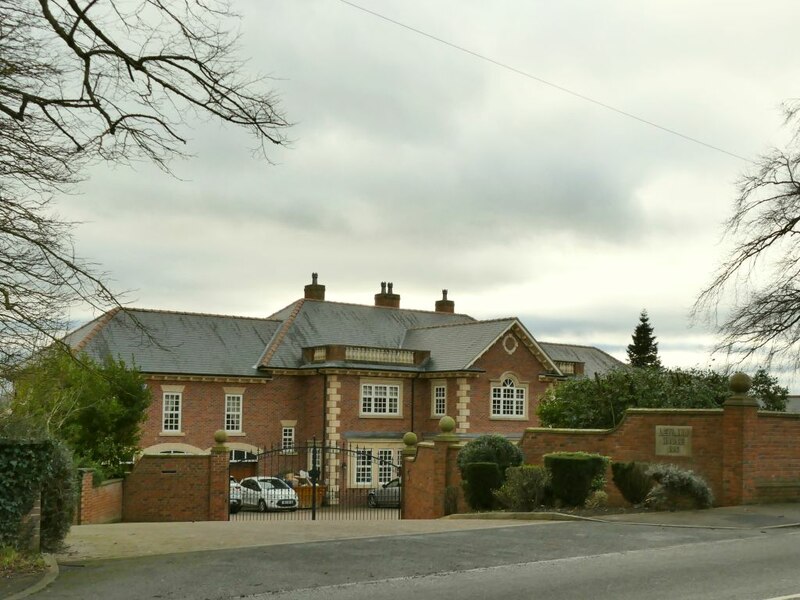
[177,487]
[745,455]
[777,477]
[634,439]
[101,504]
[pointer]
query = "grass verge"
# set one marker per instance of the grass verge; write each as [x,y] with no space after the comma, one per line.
[14,562]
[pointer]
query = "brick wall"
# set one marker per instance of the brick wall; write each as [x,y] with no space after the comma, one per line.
[429,477]
[177,488]
[777,478]
[101,504]
[634,439]
[746,456]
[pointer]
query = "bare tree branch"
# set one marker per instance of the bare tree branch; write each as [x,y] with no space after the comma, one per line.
[754,297]
[99,80]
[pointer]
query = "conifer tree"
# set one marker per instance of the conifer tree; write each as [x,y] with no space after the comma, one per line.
[643,352]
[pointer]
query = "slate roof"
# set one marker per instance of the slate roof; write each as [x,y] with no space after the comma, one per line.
[454,347]
[595,361]
[178,343]
[320,323]
[203,344]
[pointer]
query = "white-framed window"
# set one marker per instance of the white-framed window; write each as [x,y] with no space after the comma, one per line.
[509,399]
[375,464]
[380,399]
[233,413]
[363,474]
[171,411]
[438,400]
[287,440]
[386,468]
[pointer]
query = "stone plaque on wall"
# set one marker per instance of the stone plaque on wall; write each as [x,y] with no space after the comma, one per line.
[673,441]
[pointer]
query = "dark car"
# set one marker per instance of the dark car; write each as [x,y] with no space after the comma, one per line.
[386,495]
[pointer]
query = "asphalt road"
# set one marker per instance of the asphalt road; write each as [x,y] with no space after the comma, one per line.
[541,560]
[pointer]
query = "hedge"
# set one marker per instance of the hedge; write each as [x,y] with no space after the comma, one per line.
[574,475]
[480,480]
[30,467]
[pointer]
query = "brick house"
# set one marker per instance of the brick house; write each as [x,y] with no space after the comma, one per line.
[336,372]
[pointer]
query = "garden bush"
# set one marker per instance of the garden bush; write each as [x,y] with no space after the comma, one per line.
[678,488]
[597,499]
[575,475]
[480,480]
[524,489]
[632,480]
[30,467]
[492,448]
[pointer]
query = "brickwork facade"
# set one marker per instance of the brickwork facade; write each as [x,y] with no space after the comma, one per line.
[328,405]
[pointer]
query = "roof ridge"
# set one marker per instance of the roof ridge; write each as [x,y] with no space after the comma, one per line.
[197,314]
[271,348]
[102,321]
[420,310]
[473,322]
[569,344]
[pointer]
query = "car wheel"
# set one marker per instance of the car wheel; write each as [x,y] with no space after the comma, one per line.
[235,509]
[262,506]
[371,502]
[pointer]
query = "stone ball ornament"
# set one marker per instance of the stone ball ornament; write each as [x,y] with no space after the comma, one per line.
[447,424]
[740,383]
[220,437]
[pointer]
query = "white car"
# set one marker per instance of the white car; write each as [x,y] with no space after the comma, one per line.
[268,493]
[235,496]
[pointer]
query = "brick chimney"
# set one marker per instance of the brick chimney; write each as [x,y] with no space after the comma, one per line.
[444,305]
[314,291]
[387,297]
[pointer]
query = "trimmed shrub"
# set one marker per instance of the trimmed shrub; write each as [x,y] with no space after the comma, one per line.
[490,448]
[678,488]
[480,480]
[524,489]
[574,475]
[632,480]
[597,499]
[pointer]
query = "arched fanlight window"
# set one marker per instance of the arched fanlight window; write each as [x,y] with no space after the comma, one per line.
[509,398]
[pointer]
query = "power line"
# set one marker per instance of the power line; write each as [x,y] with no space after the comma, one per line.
[543,81]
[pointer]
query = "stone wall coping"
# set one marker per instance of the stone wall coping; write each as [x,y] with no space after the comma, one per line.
[773,414]
[111,481]
[567,431]
[667,412]
[173,456]
[677,411]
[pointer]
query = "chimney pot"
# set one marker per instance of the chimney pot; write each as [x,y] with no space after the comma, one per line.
[444,305]
[314,291]
[387,298]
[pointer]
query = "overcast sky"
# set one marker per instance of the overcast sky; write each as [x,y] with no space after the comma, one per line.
[420,164]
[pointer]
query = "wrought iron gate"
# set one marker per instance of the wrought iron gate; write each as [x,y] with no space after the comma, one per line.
[316,482]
